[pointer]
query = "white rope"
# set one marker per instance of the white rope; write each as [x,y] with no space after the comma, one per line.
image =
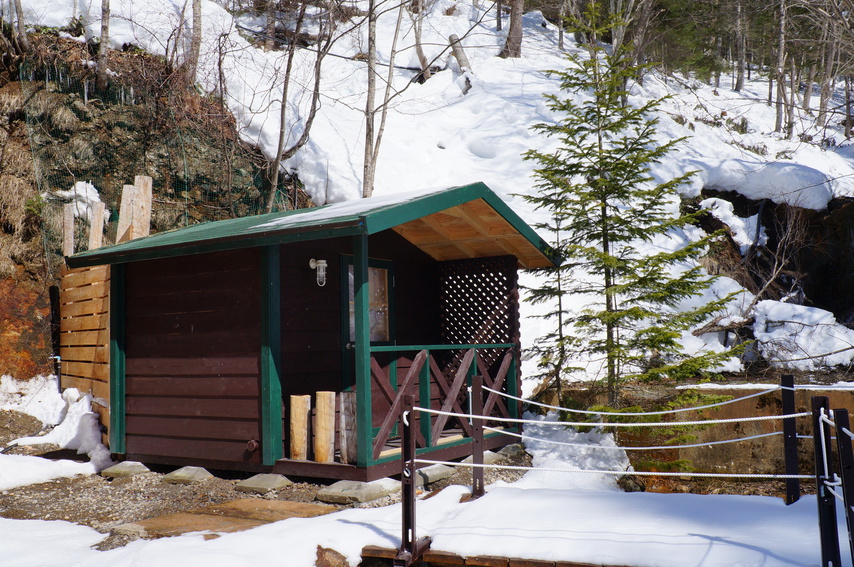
[620,473]
[664,412]
[619,448]
[826,419]
[848,433]
[609,424]
[835,494]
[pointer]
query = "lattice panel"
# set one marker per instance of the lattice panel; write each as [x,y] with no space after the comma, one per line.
[479,304]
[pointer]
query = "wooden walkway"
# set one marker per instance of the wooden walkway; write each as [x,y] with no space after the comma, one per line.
[374,556]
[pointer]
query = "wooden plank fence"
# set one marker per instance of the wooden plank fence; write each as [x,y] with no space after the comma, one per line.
[84,301]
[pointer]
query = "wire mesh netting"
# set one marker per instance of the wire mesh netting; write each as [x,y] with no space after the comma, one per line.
[88,143]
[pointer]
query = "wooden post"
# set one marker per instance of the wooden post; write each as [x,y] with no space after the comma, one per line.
[324,428]
[846,465]
[68,230]
[462,60]
[347,426]
[477,488]
[96,226]
[123,232]
[411,549]
[300,408]
[828,531]
[141,223]
[790,439]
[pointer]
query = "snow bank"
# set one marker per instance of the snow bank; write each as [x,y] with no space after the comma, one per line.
[83,195]
[76,427]
[38,397]
[744,230]
[781,182]
[801,338]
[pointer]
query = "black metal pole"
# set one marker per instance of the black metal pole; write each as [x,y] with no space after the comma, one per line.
[846,466]
[829,533]
[477,488]
[411,549]
[790,439]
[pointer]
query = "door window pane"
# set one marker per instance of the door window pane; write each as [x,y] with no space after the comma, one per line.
[377,304]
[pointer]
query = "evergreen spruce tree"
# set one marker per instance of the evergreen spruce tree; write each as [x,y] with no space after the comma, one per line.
[604,205]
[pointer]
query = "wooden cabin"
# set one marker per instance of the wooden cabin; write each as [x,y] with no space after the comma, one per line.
[220,330]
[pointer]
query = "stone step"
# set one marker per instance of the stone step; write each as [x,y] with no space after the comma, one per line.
[234,516]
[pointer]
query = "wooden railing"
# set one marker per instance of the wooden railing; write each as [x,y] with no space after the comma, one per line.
[425,371]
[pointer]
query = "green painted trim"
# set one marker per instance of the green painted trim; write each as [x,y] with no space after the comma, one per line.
[152,247]
[362,351]
[405,348]
[117,360]
[426,450]
[389,217]
[305,225]
[272,441]
[522,227]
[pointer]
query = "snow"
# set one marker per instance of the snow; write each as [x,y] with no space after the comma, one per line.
[546,515]
[83,195]
[73,425]
[744,230]
[438,137]
[800,337]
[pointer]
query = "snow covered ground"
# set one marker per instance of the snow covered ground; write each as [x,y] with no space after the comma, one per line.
[436,136]
[546,515]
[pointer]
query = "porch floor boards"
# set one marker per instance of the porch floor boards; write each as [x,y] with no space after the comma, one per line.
[444,450]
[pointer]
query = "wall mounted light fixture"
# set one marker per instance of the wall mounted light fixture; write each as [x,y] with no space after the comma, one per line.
[320,267]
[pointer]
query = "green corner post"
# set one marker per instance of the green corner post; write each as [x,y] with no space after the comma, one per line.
[364,430]
[271,354]
[117,359]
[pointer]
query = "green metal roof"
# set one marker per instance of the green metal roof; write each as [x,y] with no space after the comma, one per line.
[362,216]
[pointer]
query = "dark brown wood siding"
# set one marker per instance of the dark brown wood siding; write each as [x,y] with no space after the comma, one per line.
[192,356]
[312,316]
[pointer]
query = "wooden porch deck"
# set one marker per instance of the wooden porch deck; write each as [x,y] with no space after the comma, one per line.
[453,445]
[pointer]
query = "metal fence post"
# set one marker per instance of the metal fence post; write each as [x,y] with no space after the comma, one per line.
[846,466]
[829,533]
[411,549]
[790,439]
[477,488]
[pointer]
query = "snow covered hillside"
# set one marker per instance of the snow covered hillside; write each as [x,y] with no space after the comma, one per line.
[436,135]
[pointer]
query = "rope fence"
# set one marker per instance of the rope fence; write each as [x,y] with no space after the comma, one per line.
[830,486]
[628,413]
[621,448]
[751,476]
[611,424]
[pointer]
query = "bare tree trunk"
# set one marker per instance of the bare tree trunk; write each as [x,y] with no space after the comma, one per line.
[780,71]
[283,111]
[808,89]
[369,171]
[849,121]
[22,28]
[270,32]
[793,90]
[561,15]
[418,24]
[828,73]
[192,62]
[498,21]
[101,77]
[740,46]
[513,44]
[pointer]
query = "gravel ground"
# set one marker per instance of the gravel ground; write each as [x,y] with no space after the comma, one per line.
[103,504]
